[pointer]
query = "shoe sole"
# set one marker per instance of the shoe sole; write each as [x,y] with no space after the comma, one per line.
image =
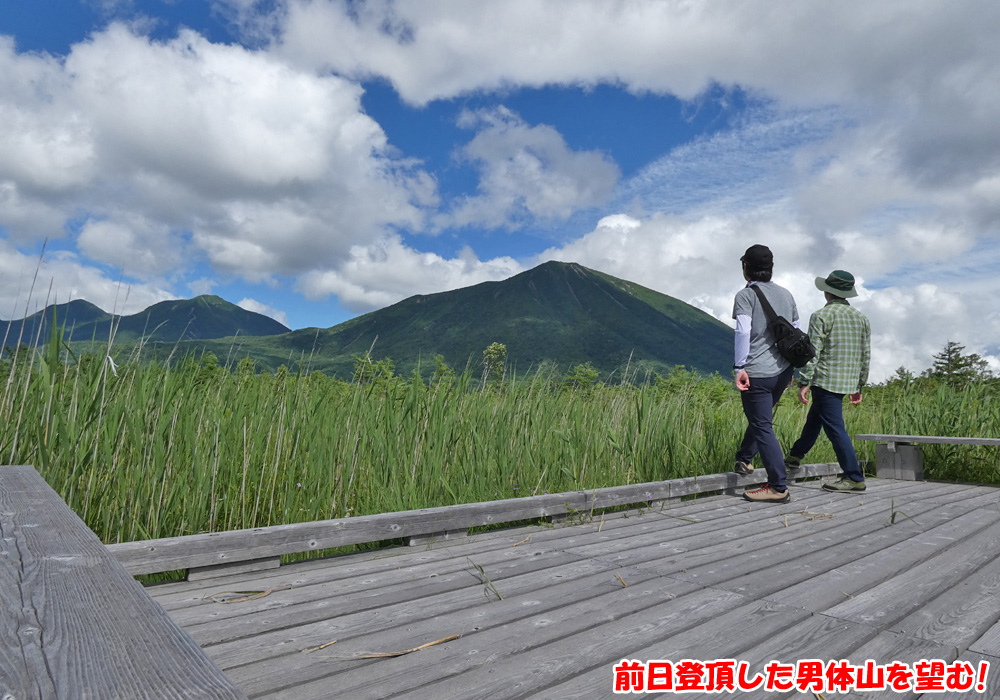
[836,490]
[786,499]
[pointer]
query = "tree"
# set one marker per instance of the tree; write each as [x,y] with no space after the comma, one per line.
[367,371]
[442,372]
[581,378]
[494,360]
[957,369]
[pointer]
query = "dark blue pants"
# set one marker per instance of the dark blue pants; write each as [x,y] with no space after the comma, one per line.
[758,406]
[827,412]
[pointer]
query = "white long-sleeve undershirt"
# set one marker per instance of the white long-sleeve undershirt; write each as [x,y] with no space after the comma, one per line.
[743,339]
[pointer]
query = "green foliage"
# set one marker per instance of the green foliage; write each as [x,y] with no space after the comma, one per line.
[442,372]
[155,450]
[581,378]
[561,313]
[494,362]
[367,371]
[956,369]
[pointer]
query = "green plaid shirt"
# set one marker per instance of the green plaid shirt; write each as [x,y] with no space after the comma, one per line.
[842,336]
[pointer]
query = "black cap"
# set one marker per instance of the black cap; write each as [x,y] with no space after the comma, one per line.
[758,258]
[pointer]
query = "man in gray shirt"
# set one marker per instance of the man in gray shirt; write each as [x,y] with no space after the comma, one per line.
[762,374]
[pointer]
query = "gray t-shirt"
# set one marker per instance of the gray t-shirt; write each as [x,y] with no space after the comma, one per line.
[764,360]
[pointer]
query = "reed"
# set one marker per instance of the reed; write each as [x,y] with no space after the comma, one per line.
[145,450]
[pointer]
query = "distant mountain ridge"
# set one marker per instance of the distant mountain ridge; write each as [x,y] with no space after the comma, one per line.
[205,317]
[561,313]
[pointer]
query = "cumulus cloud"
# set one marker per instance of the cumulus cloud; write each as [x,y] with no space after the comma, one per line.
[526,173]
[264,168]
[920,79]
[132,243]
[870,145]
[697,261]
[388,271]
[264,309]
[29,283]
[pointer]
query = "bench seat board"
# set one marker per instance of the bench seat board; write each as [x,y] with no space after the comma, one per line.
[930,440]
[74,623]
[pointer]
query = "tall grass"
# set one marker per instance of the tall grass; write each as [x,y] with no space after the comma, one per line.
[146,450]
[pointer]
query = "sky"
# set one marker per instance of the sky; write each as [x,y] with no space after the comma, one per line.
[314,160]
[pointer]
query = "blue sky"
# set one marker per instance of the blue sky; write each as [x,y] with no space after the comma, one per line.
[318,159]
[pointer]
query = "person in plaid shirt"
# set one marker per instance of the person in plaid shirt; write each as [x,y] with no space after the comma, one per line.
[842,337]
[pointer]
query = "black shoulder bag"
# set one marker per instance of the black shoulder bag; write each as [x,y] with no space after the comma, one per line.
[793,344]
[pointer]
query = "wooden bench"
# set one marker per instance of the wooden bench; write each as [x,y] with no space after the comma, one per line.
[73,622]
[900,456]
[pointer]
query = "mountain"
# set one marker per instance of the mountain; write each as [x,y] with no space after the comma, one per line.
[559,312]
[202,318]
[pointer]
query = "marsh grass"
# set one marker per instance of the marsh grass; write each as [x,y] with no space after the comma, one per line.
[144,450]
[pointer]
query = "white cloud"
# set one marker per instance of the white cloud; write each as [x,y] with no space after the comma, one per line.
[919,79]
[697,261]
[133,244]
[384,273]
[264,309]
[269,169]
[806,52]
[876,151]
[526,173]
[28,284]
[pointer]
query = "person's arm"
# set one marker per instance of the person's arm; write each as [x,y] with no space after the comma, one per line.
[866,356]
[817,335]
[742,351]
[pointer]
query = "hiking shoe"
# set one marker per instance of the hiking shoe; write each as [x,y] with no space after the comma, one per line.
[844,484]
[792,462]
[742,468]
[766,494]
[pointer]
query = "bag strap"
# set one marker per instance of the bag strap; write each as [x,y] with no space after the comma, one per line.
[768,309]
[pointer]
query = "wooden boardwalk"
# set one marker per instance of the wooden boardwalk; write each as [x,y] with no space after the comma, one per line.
[905,571]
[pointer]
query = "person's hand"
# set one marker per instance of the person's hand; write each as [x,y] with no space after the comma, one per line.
[804,394]
[856,398]
[742,380]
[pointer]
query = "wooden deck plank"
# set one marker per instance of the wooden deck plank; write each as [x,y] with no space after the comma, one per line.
[992,689]
[319,586]
[812,637]
[753,588]
[898,596]
[962,614]
[757,621]
[339,602]
[718,555]
[988,643]
[893,646]
[175,596]
[75,623]
[868,569]
[489,632]
[673,626]
[822,551]
[822,577]
[406,610]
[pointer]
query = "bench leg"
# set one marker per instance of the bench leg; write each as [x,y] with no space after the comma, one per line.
[897,461]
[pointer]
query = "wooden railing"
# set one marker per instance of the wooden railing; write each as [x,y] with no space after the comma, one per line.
[224,552]
[73,622]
